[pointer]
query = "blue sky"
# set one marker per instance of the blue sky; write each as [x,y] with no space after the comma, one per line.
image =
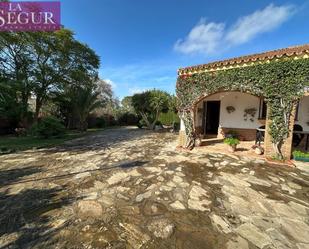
[142,43]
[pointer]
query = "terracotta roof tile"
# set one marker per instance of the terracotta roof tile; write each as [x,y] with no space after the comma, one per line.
[269,55]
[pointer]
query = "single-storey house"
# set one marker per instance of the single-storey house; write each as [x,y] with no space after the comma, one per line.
[235,95]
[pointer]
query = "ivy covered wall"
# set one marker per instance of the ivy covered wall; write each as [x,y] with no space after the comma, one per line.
[281,83]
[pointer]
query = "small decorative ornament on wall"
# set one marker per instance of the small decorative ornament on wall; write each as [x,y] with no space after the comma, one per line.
[230,109]
[250,113]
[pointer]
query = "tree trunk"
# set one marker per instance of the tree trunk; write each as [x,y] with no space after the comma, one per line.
[38,105]
[154,122]
[24,117]
[277,149]
[146,120]
[83,125]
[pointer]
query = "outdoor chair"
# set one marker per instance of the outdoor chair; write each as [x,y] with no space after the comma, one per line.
[260,135]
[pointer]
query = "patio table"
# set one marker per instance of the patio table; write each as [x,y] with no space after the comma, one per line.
[261,131]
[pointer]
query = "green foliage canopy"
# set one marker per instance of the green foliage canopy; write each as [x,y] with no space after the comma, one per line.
[150,104]
[40,63]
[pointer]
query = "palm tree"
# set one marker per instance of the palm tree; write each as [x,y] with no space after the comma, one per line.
[75,103]
[85,101]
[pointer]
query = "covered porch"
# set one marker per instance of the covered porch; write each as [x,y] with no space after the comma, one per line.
[229,114]
[242,115]
[225,99]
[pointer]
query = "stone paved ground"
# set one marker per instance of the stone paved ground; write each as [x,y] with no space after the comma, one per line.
[129,188]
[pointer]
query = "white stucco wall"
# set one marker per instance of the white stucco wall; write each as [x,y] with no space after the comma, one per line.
[240,101]
[303,113]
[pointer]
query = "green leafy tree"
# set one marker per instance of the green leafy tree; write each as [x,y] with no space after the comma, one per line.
[41,64]
[10,108]
[86,100]
[15,66]
[77,102]
[150,104]
[59,59]
[173,104]
[126,104]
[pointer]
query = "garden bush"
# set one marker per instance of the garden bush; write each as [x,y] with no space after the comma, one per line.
[110,119]
[141,124]
[96,122]
[169,118]
[48,127]
[300,154]
[158,123]
[101,123]
[128,118]
[231,141]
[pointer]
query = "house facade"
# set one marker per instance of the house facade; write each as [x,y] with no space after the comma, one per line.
[218,113]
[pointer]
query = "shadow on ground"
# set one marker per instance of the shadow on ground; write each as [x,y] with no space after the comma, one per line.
[26,217]
[11,176]
[14,176]
[100,141]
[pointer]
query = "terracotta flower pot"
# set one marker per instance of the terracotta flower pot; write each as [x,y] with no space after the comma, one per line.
[232,148]
[259,150]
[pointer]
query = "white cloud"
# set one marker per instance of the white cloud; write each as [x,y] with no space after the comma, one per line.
[207,38]
[134,90]
[261,21]
[112,83]
[203,38]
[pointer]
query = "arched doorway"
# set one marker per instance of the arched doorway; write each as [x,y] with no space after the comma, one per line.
[223,112]
[300,139]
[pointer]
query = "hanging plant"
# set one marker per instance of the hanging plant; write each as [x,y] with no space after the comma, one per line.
[230,109]
[249,113]
[281,83]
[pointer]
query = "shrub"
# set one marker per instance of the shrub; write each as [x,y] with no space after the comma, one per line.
[231,141]
[158,123]
[141,124]
[168,118]
[96,122]
[297,153]
[128,118]
[100,122]
[109,119]
[48,127]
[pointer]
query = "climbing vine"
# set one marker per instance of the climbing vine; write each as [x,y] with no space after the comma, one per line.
[281,83]
[187,118]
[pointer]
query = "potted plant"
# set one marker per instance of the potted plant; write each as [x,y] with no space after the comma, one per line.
[232,143]
[301,156]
